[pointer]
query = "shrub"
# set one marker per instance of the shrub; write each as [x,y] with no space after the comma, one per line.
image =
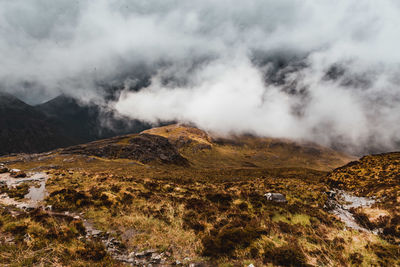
[287,255]
[94,251]
[356,258]
[228,239]
[191,221]
[67,199]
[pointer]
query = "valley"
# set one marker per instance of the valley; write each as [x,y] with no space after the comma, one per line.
[176,195]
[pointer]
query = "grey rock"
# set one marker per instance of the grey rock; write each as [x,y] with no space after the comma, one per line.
[155,258]
[95,232]
[331,194]
[132,255]
[275,197]
[146,253]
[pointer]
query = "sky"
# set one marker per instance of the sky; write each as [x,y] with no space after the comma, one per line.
[321,71]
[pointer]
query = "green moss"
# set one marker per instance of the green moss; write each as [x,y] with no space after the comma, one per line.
[302,219]
[278,217]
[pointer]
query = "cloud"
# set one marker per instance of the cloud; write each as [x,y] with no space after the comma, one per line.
[317,70]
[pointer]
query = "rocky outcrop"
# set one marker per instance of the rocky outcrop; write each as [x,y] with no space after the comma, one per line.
[143,147]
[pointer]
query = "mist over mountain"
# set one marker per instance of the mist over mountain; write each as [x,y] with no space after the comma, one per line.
[319,71]
[199,133]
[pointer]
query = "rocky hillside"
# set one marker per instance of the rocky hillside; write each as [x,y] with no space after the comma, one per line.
[177,195]
[212,150]
[188,145]
[375,176]
[144,148]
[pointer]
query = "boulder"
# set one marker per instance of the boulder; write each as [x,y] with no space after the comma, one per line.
[275,197]
[17,173]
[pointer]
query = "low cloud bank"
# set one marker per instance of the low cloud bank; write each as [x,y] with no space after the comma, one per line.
[321,71]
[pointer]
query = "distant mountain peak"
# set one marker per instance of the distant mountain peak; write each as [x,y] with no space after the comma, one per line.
[9,100]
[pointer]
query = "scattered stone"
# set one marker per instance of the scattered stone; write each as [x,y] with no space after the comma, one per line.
[17,173]
[276,197]
[341,204]
[95,233]
[155,258]
[146,253]
[331,194]
[48,208]
[27,238]
[10,240]
[132,254]
[3,168]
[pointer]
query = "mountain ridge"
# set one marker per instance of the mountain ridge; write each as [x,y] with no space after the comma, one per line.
[59,122]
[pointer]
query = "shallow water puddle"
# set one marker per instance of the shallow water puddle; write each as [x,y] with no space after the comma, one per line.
[37,190]
[38,193]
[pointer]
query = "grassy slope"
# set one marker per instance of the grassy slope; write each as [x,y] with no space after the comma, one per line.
[208,151]
[214,211]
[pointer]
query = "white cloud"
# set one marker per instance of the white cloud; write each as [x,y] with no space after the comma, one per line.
[207,47]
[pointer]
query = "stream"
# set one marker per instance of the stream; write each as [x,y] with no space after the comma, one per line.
[35,199]
[341,202]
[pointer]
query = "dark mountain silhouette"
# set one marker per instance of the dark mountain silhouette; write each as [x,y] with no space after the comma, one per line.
[60,122]
[23,128]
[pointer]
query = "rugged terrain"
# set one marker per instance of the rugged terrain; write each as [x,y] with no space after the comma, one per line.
[179,195]
[375,176]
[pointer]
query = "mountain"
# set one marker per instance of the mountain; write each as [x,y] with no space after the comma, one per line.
[23,128]
[60,122]
[87,122]
[183,145]
[80,122]
[208,149]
